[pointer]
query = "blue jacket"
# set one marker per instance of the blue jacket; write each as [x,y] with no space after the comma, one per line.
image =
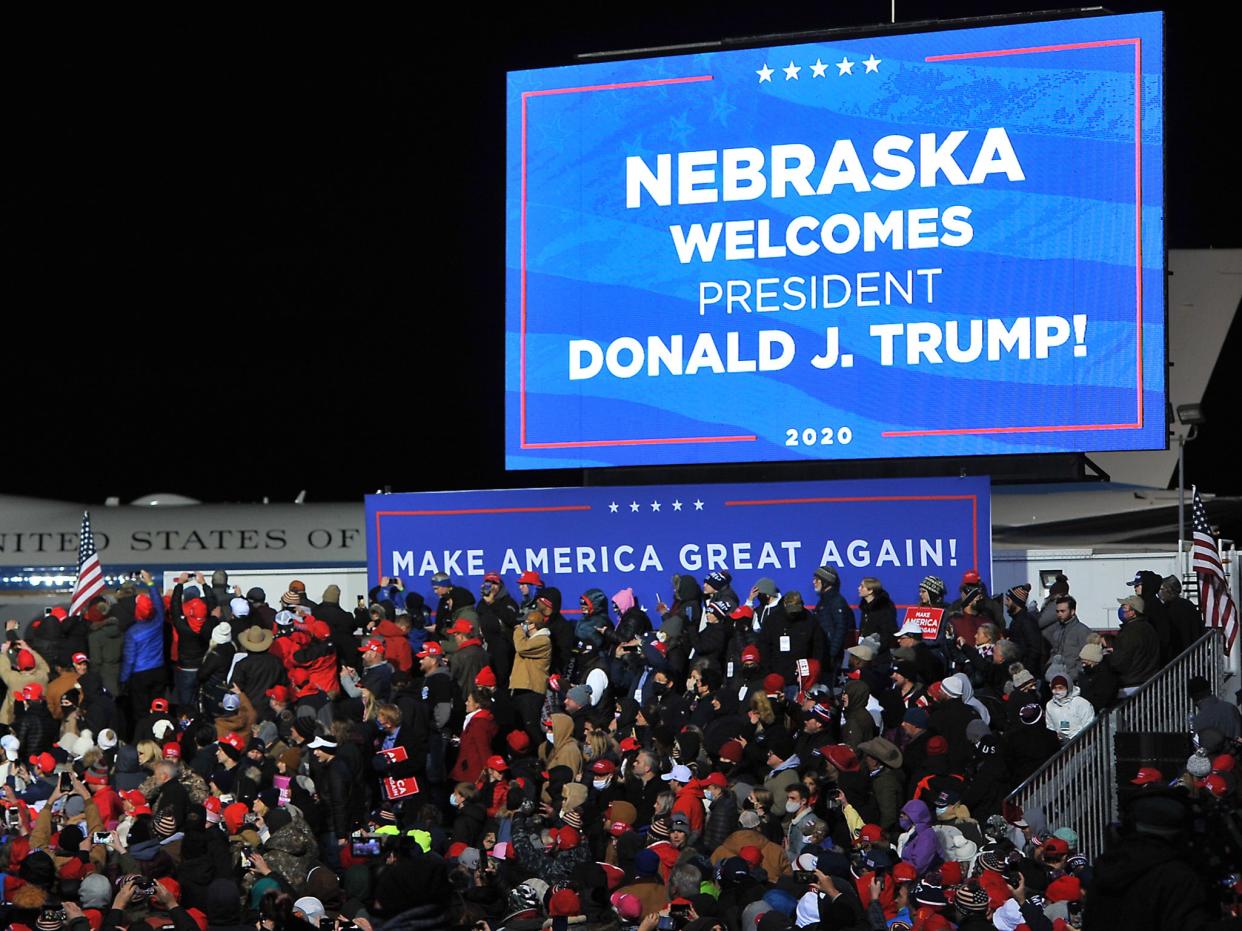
[836,620]
[144,640]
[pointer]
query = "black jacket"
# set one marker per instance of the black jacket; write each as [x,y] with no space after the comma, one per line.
[806,639]
[36,729]
[879,616]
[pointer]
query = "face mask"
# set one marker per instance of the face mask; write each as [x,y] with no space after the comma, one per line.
[600,784]
[905,823]
[940,812]
[551,737]
[748,805]
[1059,693]
[454,802]
[660,688]
[792,807]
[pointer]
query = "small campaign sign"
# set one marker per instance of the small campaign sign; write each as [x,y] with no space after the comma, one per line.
[395,754]
[399,788]
[928,619]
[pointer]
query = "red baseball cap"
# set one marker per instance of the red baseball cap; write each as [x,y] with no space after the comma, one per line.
[59,613]
[374,645]
[603,767]
[518,741]
[630,744]
[530,577]
[1216,785]
[45,761]
[461,626]
[160,705]
[431,648]
[774,683]
[970,577]
[32,692]
[1146,776]
[1223,763]
[497,763]
[81,658]
[872,833]
[744,612]
[235,741]
[25,660]
[277,693]
[172,751]
[1056,847]
[905,873]
[493,577]
[137,800]
[751,653]
[715,779]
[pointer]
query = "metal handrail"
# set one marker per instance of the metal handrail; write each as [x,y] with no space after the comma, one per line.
[1077,786]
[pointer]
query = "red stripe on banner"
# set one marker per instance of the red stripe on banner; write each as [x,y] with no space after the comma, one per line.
[587,444]
[1138,238]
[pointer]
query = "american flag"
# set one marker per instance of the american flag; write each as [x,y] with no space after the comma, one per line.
[1214,599]
[90,573]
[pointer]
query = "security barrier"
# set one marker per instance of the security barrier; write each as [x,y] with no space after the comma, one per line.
[1078,786]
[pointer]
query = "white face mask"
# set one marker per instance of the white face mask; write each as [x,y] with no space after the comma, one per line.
[1059,693]
[793,807]
[454,802]
[551,737]
[600,783]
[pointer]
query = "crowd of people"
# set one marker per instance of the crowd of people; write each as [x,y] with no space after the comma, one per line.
[199,759]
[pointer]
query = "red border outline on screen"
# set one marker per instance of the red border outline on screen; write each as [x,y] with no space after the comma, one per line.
[1138,239]
[578,444]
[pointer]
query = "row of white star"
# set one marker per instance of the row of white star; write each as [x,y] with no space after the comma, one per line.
[819,69]
[635,507]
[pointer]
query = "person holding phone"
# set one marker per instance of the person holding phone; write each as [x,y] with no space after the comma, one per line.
[71,805]
[20,666]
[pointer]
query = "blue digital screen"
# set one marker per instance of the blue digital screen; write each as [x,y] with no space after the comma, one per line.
[899,531]
[939,244]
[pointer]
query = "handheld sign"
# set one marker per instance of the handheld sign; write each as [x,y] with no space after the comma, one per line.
[928,618]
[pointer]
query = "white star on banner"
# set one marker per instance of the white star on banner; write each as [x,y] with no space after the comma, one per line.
[845,66]
[765,74]
[698,505]
[655,505]
[873,65]
[634,506]
[791,73]
[676,505]
[612,508]
[818,69]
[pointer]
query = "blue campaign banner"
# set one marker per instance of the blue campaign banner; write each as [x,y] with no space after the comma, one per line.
[938,244]
[640,537]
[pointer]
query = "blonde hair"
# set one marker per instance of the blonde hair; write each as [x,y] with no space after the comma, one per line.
[149,753]
[760,704]
[599,745]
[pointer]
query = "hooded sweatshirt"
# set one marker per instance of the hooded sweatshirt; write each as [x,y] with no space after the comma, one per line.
[1067,716]
[920,849]
[563,750]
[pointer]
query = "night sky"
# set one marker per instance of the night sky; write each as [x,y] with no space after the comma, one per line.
[245,259]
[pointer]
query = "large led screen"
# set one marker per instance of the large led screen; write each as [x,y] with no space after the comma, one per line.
[939,244]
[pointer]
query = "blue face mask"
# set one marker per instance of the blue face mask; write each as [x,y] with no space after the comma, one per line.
[1121,614]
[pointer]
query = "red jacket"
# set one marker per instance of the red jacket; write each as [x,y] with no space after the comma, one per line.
[396,647]
[690,803]
[476,747]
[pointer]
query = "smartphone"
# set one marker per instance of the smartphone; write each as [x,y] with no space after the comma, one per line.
[101,837]
[365,848]
[10,636]
[246,862]
[66,782]
[12,817]
[804,876]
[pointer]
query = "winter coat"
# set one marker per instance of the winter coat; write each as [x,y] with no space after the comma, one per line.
[532,659]
[1136,657]
[1143,883]
[920,849]
[15,680]
[530,854]
[497,621]
[396,647]
[292,851]
[721,820]
[35,729]
[1099,685]
[1066,640]
[859,726]
[1211,712]
[105,646]
[888,787]
[950,719]
[1027,747]
[1067,716]
[1187,622]
[802,635]
[476,747]
[836,619]
[879,617]
[144,640]
[563,750]
[339,621]
[775,863]
[1024,631]
[465,663]
[314,670]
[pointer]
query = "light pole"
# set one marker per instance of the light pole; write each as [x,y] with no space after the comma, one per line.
[1189,415]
